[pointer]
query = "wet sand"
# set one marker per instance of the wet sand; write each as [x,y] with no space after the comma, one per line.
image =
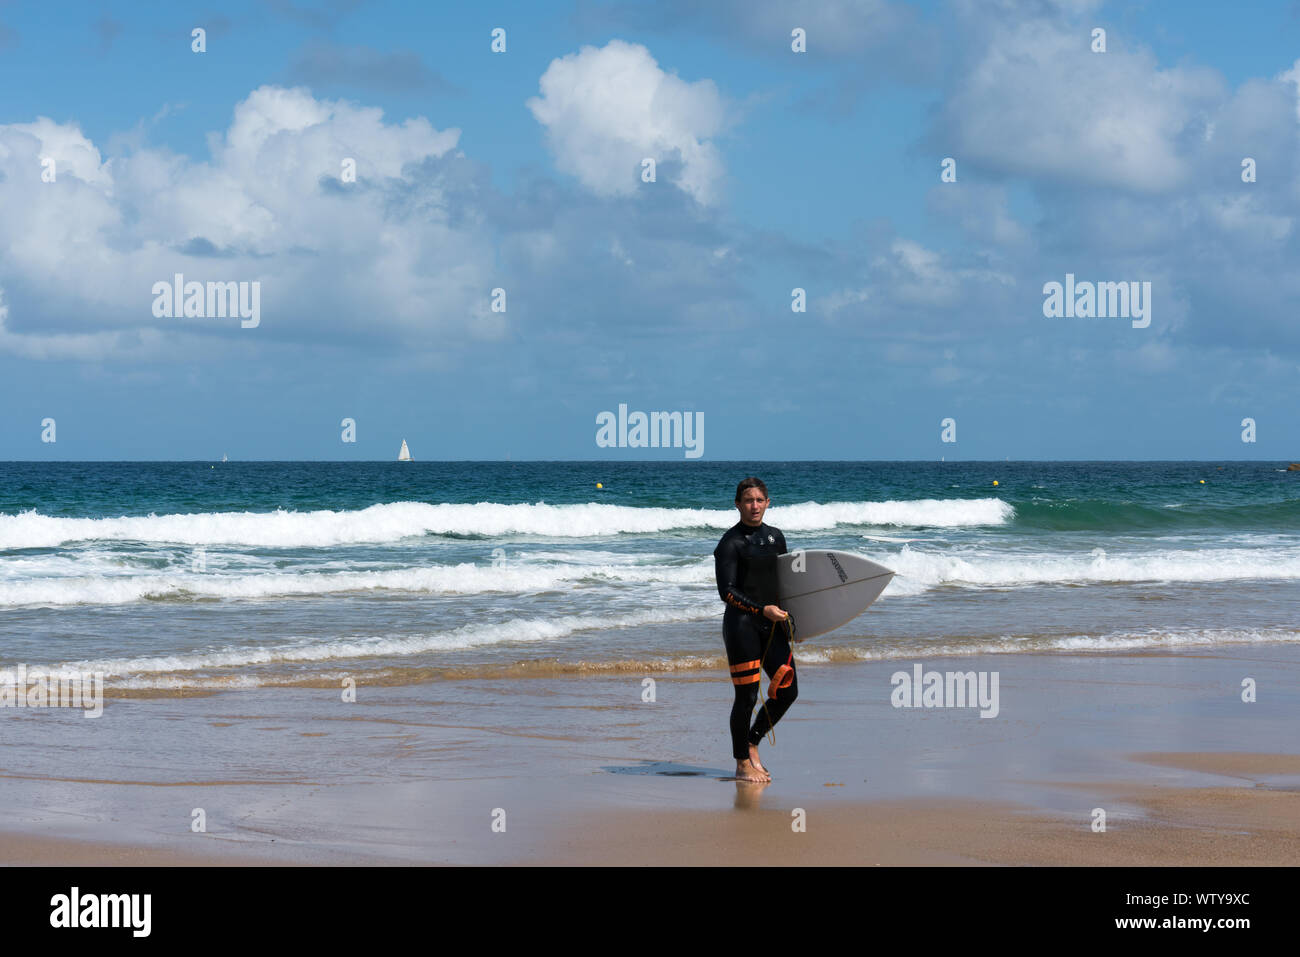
[585,770]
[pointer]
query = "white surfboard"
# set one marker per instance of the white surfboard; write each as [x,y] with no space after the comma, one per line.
[831,589]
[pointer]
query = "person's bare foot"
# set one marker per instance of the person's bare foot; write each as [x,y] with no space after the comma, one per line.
[745,771]
[758,765]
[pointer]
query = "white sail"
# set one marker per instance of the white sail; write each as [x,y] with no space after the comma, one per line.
[223,457]
[405,454]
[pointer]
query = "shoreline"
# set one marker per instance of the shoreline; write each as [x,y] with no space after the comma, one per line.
[582,770]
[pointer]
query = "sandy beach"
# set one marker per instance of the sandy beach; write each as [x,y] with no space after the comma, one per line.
[582,770]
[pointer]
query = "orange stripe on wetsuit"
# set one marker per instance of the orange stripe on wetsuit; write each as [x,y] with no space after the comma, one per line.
[746,673]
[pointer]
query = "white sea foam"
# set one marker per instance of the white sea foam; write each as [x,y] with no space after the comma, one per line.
[517,630]
[921,570]
[463,579]
[400,520]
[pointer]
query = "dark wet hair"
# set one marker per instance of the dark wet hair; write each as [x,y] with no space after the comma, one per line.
[749,483]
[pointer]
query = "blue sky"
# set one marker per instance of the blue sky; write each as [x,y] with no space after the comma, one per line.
[775,170]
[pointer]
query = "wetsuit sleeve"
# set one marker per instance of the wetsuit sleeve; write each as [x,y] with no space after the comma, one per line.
[726,566]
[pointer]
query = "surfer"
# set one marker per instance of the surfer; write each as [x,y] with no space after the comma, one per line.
[754,628]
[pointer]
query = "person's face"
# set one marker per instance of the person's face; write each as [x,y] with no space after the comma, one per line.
[753,503]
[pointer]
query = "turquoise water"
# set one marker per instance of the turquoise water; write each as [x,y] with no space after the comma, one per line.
[1047,495]
[172,577]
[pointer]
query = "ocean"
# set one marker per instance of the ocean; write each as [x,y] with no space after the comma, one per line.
[176,578]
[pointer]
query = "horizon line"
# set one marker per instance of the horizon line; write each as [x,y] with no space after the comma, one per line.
[661,461]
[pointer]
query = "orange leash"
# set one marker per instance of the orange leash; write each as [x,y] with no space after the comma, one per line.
[782,678]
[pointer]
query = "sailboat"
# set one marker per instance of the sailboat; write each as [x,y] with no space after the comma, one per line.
[405,454]
[223,457]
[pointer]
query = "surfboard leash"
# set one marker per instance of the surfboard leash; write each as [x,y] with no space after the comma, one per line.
[772,686]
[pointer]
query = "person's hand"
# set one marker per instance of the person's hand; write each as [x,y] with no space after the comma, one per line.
[773,613]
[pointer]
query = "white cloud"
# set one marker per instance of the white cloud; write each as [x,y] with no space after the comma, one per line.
[78,346]
[1245,218]
[1039,102]
[980,209]
[855,301]
[1292,76]
[81,254]
[74,153]
[607,109]
[917,276]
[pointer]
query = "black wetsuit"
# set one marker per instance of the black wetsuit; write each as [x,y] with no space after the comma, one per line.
[745,563]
